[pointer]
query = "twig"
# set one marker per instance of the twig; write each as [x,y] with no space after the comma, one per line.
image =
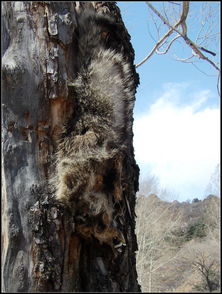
[198,52]
[155,47]
[185,59]
[182,21]
[202,70]
[190,43]
[174,2]
[208,51]
[168,47]
[183,16]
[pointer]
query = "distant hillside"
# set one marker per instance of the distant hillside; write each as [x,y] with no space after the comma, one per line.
[178,244]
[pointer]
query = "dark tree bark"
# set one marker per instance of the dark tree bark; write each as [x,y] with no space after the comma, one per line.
[42,251]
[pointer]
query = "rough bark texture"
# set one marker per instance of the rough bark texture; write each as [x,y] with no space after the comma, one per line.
[42,251]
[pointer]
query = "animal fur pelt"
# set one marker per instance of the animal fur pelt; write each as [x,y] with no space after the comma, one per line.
[91,152]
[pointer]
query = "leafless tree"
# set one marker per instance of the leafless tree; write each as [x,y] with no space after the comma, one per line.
[165,256]
[173,23]
[154,223]
[213,187]
[208,269]
[149,185]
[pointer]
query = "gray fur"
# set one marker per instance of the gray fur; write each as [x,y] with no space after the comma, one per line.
[105,98]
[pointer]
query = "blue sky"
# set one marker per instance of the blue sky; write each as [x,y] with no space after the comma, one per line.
[177,115]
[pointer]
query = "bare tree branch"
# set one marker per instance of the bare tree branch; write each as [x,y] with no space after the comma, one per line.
[186,60]
[198,52]
[208,51]
[155,47]
[168,47]
[174,28]
[202,70]
[182,19]
[174,2]
[207,270]
[184,31]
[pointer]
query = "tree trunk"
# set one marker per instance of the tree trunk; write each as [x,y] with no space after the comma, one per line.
[42,249]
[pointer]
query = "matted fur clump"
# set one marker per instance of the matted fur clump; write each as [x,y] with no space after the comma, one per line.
[91,152]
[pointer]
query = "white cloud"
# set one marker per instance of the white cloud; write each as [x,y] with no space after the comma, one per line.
[178,142]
